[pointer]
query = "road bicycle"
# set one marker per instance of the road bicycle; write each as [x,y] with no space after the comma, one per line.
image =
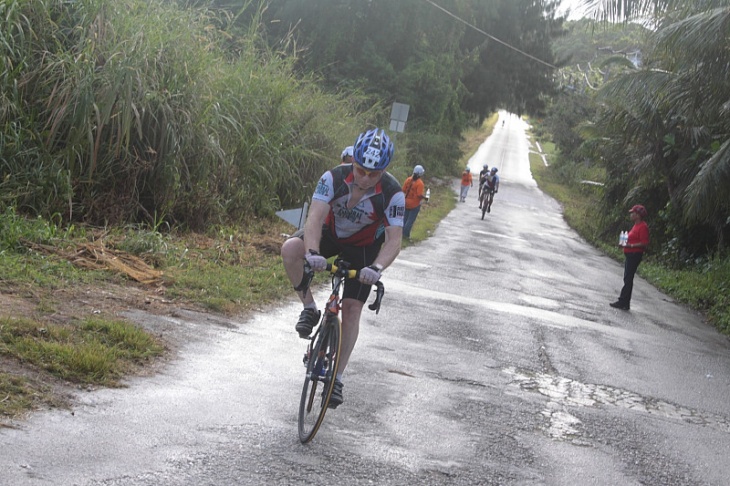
[486,198]
[322,358]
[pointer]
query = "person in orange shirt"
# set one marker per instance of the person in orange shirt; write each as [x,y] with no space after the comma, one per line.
[413,189]
[466,182]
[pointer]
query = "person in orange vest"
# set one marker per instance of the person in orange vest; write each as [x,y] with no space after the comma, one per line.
[414,190]
[466,182]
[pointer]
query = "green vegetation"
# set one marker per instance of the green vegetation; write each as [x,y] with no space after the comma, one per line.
[196,114]
[703,285]
[47,339]
[142,111]
[657,141]
[96,351]
[644,133]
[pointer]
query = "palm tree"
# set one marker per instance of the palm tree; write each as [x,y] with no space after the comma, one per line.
[673,113]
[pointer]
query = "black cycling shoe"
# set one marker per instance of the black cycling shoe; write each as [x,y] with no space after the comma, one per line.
[307,320]
[336,397]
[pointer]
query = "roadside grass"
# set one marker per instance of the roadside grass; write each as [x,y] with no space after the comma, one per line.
[18,395]
[228,271]
[94,351]
[230,275]
[578,201]
[703,285]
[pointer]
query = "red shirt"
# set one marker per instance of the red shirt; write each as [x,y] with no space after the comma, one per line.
[639,234]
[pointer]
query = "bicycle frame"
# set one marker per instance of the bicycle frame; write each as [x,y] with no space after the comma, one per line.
[324,347]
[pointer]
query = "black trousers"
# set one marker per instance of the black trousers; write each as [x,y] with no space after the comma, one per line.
[630,266]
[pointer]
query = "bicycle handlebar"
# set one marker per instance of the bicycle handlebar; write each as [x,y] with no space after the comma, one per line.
[348,273]
[379,287]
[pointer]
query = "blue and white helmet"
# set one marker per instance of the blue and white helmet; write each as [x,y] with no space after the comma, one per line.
[373,150]
[347,152]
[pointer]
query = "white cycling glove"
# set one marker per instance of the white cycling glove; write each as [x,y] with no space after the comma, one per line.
[369,275]
[317,262]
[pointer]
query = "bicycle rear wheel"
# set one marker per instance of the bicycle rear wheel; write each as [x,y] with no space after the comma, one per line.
[319,379]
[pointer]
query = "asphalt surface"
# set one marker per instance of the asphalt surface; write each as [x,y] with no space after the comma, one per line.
[494,360]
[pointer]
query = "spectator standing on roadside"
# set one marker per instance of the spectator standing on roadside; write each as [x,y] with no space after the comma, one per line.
[467,181]
[414,190]
[638,241]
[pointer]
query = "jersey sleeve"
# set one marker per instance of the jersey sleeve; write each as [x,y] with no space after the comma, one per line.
[325,190]
[396,209]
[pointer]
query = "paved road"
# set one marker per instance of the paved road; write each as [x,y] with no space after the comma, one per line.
[495,360]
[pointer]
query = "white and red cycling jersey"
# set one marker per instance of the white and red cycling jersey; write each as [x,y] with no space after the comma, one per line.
[490,181]
[383,205]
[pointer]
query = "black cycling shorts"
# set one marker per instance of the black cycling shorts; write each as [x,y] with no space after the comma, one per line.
[358,257]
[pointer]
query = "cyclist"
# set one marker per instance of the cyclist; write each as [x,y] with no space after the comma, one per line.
[489,185]
[346,156]
[482,174]
[356,213]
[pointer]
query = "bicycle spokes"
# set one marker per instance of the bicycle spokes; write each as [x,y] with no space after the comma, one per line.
[321,369]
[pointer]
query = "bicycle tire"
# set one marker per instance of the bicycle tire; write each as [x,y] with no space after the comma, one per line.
[312,408]
[484,205]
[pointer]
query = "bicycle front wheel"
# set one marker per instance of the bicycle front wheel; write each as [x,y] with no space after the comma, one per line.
[319,379]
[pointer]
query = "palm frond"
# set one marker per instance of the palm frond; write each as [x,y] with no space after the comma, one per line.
[699,38]
[709,193]
[631,10]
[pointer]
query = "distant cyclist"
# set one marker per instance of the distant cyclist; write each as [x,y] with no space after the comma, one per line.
[482,174]
[356,213]
[488,186]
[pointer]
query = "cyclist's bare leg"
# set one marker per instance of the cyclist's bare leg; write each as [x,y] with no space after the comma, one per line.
[292,253]
[351,312]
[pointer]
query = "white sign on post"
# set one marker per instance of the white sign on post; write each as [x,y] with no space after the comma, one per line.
[295,217]
[399,117]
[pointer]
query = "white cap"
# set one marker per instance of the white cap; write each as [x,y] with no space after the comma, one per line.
[348,151]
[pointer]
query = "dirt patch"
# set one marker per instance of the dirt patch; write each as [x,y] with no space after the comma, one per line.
[43,390]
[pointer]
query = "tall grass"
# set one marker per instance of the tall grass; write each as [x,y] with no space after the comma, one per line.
[135,110]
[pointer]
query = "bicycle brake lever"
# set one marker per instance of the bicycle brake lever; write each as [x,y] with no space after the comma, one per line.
[379,291]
